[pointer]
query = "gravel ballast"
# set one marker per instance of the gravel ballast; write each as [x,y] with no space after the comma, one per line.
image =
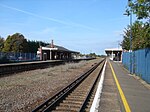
[24,91]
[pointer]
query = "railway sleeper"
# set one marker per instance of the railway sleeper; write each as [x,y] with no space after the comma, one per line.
[67,109]
[81,86]
[61,111]
[74,99]
[75,102]
[87,109]
[79,92]
[77,96]
[70,105]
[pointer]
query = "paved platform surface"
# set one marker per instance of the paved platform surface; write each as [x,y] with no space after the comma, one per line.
[136,94]
[109,101]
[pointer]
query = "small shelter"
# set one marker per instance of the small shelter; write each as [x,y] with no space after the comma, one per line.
[114,54]
[54,52]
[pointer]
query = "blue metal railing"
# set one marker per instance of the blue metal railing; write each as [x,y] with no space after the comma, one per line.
[12,56]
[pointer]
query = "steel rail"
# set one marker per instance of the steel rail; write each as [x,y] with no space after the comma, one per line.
[90,91]
[11,68]
[50,103]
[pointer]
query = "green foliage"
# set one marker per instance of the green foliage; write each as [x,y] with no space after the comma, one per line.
[15,43]
[140,31]
[140,36]
[1,43]
[18,43]
[141,8]
[126,39]
[92,55]
[146,34]
[102,56]
[138,41]
[34,45]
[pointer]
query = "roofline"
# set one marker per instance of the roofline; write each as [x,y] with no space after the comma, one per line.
[113,49]
[46,48]
[56,49]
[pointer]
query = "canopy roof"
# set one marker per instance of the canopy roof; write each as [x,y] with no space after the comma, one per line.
[58,48]
[113,49]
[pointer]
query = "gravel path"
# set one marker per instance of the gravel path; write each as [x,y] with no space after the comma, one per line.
[22,92]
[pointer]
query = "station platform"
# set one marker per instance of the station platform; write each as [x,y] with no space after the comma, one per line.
[123,92]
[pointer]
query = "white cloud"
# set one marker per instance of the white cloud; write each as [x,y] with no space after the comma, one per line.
[49,18]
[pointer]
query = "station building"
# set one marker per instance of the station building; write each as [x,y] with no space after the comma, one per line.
[114,54]
[54,52]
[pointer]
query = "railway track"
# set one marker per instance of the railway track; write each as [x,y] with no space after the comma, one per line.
[77,96]
[26,66]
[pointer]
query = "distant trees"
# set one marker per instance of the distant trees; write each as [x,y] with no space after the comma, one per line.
[18,43]
[92,55]
[34,45]
[140,29]
[1,43]
[15,43]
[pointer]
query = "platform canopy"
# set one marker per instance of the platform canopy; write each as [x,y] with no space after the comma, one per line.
[51,52]
[58,48]
[114,53]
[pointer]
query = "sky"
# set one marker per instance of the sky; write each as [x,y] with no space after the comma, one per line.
[80,25]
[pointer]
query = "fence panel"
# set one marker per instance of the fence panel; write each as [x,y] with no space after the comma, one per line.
[147,65]
[126,60]
[140,63]
[19,56]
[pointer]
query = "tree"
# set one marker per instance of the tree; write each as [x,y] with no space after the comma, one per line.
[146,35]
[15,43]
[91,55]
[140,30]
[34,45]
[137,36]
[126,40]
[1,43]
[141,8]
[140,36]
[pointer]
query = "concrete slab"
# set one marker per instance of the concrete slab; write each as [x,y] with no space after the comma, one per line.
[109,98]
[137,95]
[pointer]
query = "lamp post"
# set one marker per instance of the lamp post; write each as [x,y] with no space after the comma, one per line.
[130,13]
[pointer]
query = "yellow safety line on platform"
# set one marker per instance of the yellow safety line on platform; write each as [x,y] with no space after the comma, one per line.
[125,103]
